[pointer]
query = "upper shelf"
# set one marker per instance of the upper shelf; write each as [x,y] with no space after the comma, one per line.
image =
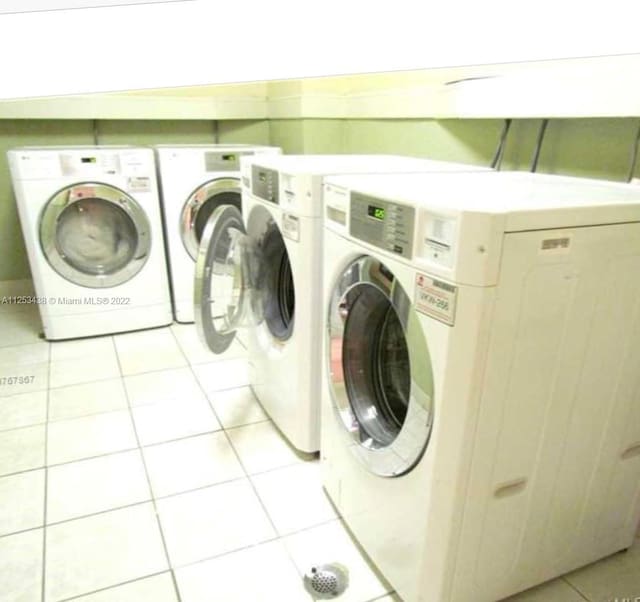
[591,87]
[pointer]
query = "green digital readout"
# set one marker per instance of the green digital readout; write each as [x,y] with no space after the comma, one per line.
[375,212]
[228,157]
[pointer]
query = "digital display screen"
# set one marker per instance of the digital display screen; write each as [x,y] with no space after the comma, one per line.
[375,212]
[228,157]
[262,176]
[88,160]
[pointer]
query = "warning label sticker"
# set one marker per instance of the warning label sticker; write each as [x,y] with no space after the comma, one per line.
[436,298]
[138,184]
[291,226]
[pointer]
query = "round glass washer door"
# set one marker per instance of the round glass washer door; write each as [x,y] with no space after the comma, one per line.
[380,372]
[274,300]
[201,204]
[95,235]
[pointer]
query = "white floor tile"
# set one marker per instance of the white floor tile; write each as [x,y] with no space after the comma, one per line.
[293,497]
[21,501]
[91,347]
[22,449]
[21,574]
[76,370]
[90,486]
[222,375]
[166,385]
[99,551]
[262,573]
[332,543]
[556,591]
[159,588]
[197,352]
[237,407]
[25,378]
[212,521]
[615,577]
[86,399]
[261,447]
[20,326]
[90,436]
[23,410]
[191,463]
[170,420]
[21,355]
[148,351]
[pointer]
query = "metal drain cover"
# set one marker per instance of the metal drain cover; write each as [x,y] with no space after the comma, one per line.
[327,581]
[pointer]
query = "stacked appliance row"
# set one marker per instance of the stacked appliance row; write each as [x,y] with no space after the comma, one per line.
[443,333]
[479,397]
[92,221]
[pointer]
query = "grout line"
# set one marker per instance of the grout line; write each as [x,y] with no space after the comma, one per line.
[575,589]
[99,512]
[46,484]
[377,599]
[21,531]
[111,453]
[110,587]
[32,469]
[146,472]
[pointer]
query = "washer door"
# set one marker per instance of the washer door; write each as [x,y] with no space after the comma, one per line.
[274,295]
[95,235]
[201,204]
[381,378]
[225,279]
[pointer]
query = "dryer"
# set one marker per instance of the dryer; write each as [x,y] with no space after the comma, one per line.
[194,180]
[91,222]
[259,273]
[481,376]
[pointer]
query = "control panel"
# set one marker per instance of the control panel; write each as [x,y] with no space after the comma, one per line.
[382,223]
[265,184]
[90,164]
[223,161]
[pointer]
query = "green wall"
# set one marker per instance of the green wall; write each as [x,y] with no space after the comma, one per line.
[597,148]
[308,136]
[13,133]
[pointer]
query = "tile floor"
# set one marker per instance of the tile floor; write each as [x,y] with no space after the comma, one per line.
[139,467]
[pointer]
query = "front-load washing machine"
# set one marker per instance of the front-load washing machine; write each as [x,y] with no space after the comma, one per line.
[91,222]
[194,180]
[262,271]
[481,376]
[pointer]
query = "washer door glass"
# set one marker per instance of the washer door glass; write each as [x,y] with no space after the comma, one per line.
[380,369]
[274,298]
[225,279]
[95,235]
[201,204]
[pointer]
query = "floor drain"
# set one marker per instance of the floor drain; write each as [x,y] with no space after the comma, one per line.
[327,581]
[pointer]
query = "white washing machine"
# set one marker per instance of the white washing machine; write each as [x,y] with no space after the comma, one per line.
[481,376]
[194,180]
[261,272]
[93,231]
